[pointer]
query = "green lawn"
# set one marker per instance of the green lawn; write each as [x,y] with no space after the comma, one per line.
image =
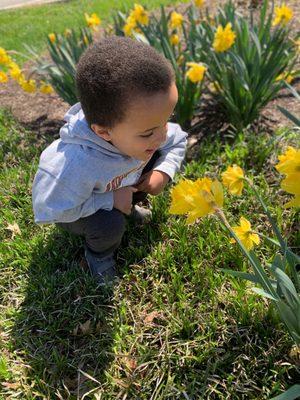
[31,25]
[175,327]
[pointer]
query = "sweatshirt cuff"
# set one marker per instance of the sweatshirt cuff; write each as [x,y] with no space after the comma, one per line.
[167,168]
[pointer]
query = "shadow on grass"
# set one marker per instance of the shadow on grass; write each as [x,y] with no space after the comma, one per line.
[65,326]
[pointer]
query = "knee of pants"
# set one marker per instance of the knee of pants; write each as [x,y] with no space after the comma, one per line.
[109,229]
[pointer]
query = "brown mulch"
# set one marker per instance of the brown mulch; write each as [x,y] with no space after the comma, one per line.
[44,113]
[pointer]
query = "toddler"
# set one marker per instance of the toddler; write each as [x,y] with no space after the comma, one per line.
[116,147]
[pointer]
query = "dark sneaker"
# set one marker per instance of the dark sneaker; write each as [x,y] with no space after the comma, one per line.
[103,269]
[140,214]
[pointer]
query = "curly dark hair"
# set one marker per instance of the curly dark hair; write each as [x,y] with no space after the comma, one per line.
[115,70]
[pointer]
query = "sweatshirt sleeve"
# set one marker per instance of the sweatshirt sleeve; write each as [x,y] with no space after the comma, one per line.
[172,151]
[56,200]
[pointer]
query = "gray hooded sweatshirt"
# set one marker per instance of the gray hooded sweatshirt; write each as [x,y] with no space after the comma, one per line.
[78,173]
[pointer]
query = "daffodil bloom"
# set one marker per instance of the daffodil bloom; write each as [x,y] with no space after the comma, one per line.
[195,72]
[92,20]
[199,3]
[196,198]
[4,57]
[3,77]
[52,37]
[224,38]
[140,14]
[283,15]
[245,234]
[14,71]
[285,77]
[289,162]
[130,25]
[176,20]
[46,88]
[233,179]
[174,39]
[28,85]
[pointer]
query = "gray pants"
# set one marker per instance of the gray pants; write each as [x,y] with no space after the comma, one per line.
[103,231]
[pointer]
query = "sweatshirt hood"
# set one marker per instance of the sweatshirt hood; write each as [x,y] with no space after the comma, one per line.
[77,131]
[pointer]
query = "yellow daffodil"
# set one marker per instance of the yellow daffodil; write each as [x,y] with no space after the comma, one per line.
[52,37]
[289,165]
[4,57]
[285,77]
[140,14]
[196,199]
[174,39]
[28,85]
[67,32]
[233,179]
[93,21]
[176,20]
[283,15]
[3,77]
[244,232]
[46,88]
[130,25]
[224,38]
[199,3]
[195,72]
[14,71]
[289,162]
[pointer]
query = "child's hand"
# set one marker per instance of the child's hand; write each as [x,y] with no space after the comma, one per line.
[152,182]
[123,199]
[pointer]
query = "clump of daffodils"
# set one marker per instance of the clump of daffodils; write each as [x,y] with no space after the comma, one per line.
[17,74]
[289,165]
[137,16]
[224,38]
[283,15]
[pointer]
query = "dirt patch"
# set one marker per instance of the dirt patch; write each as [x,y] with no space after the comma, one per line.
[44,113]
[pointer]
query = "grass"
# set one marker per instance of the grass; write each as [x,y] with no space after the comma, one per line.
[31,25]
[175,327]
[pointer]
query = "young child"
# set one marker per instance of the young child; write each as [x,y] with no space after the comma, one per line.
[116,147]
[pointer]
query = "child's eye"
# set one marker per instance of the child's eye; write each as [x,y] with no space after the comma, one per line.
[149,134]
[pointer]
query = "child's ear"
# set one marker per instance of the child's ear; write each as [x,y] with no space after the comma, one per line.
[101,132]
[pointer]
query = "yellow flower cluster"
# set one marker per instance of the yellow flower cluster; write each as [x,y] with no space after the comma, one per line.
[288,78]
[224,38]
[176,20]
[15,72]
[196,199]
[246,235]
[233,180]
[283,15]
[137,15]
[289,165]
[92,20]
[196,72]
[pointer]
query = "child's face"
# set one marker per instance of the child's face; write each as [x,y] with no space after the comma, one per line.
[145,126]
